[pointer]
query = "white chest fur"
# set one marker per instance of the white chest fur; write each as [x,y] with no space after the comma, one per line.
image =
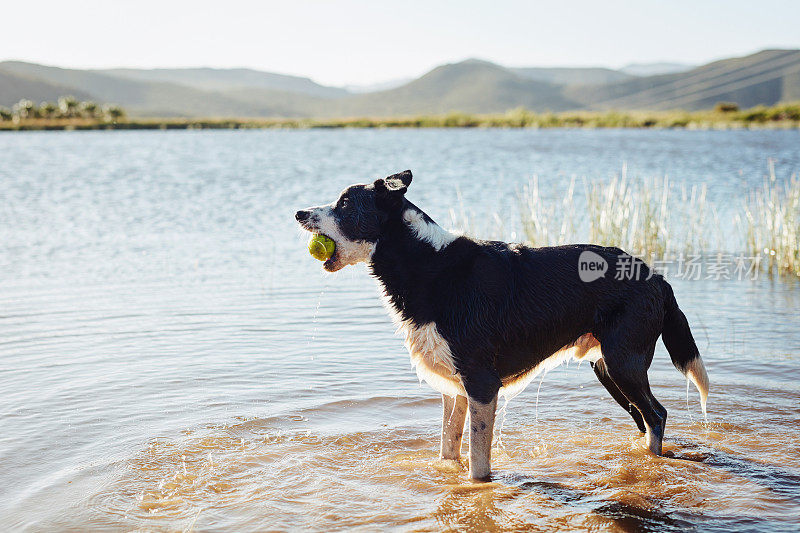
[430,353]
[431,358]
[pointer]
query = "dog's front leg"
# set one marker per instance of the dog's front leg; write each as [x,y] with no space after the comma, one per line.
[481,428]
[454,411]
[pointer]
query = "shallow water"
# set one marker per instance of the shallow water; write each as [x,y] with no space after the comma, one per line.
[171,358]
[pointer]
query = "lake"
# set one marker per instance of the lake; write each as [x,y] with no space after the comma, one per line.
[171,358]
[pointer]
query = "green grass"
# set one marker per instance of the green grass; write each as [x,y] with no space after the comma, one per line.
[781,116]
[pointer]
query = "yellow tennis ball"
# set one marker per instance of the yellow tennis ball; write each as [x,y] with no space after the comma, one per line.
[321,247]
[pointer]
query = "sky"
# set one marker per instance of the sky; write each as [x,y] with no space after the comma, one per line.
[338,42]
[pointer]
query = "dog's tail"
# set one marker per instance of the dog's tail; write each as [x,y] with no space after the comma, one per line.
[681,346]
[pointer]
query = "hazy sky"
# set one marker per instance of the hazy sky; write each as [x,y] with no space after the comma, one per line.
[349,41]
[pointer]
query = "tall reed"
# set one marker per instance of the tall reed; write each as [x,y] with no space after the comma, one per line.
[633,216]
[772,219]
[546,223]
[648,218]
[655,219]
[464,221]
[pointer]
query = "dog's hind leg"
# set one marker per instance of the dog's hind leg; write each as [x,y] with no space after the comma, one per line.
[628,370]
[481,430]
[454,411]
[601,371]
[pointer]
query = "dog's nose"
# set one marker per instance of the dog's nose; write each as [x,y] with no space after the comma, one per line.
[302,215]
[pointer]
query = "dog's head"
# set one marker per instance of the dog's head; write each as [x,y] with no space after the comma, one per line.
[356,219]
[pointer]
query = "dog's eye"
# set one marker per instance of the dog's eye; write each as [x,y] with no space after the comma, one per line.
[343,202]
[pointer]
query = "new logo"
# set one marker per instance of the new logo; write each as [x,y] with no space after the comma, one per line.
[591,266]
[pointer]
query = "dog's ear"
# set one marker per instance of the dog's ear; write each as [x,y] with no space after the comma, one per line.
[390,190]
[396,183]
[400,180]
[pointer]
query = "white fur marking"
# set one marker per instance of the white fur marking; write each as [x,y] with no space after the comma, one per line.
[429,232]
[585,348]
[347,252]
[454,414]
[430,353]
[696,373]
[432,359]
[653,444]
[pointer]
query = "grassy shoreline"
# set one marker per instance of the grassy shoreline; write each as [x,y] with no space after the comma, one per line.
[776,117]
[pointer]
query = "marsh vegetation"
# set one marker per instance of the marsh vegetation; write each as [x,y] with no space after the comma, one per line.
[70,114]
[657,219]
[66,111]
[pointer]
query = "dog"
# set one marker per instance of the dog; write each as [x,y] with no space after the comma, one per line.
[483,318]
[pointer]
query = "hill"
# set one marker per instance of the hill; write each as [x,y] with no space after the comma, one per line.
[473,86]
[143,98]
[210,79]
[15,87]
[655,69]
[573,76]
[375,87]
[767,78]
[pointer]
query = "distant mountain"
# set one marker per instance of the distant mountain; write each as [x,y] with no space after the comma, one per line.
[655,69]
[279,104]
[147,98]
[472,86]
[141,98]
[15,87]
[375,87]
[767,77]
[572,76]
[210,79]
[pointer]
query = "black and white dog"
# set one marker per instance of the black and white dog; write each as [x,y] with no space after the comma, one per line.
[482,318]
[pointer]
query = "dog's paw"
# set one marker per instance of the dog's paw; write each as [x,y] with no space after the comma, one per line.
[449,466]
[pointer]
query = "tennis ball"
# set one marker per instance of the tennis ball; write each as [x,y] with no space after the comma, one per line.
[321,247]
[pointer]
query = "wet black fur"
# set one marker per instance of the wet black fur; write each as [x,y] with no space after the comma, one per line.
[503,308]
